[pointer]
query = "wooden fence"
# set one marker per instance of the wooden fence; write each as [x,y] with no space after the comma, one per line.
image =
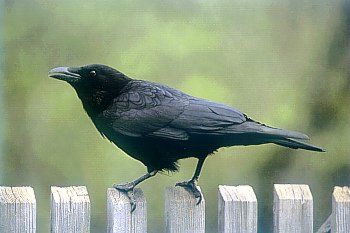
[237,210]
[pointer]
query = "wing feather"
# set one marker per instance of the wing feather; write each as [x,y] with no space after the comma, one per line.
[206,117]
[144,108]
[153,110]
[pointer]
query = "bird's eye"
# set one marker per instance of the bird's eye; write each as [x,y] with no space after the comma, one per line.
[93,73]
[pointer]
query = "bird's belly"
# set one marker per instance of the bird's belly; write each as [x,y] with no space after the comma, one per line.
[155,153]
[159,153]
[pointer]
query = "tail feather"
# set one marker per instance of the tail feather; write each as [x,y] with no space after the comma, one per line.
[267,130]
[262,129]
[287,142]
[266,134]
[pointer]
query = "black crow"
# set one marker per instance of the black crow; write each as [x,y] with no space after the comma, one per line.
[158,125]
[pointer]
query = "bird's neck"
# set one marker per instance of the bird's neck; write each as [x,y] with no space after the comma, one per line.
[97,98]
[96,101]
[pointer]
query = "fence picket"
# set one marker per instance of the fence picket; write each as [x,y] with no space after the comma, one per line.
[182,215]
[237,209]
[293,209]
[119,216]
[17,210]
[341,210]
[70,209]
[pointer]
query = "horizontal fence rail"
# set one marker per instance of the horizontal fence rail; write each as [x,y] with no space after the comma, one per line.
[237,210]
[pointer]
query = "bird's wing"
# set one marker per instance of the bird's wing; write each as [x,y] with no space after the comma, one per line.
[203,117]
[152,110]
[146,109]
[206,117]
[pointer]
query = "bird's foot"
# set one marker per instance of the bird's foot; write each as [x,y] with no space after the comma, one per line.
[125,187]
[128,189]
[192,187]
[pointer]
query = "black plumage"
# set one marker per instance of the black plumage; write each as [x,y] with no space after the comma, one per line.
[159,125]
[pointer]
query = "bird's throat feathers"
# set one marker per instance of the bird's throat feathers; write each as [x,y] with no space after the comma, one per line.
[95,102]
[97,99]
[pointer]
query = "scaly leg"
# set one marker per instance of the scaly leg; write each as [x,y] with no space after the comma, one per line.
[191,184]
[128,188]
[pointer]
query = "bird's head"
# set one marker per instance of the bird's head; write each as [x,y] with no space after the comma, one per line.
[96,85]
[91,77]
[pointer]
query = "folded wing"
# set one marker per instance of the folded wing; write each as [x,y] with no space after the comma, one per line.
[151,110]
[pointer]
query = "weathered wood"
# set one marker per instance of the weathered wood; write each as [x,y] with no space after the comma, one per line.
[70,209]
[237,209]
[119,216]
[326,226]
[293,209]
[341,210]
[182,215]
[17,210]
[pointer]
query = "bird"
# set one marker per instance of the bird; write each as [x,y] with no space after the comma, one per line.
[159,125]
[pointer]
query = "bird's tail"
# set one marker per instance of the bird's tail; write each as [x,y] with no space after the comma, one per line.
[283,137]
[291,143]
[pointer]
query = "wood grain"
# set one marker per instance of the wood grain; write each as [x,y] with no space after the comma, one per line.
[70,209]
[17,210]
[237,209]
[341,210]
[182,215]
[119,216]
[293,209]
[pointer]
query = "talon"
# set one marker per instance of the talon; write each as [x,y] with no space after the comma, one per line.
[133,206]
[198,195]
[191,186]
[131,197]
[199,199]
[128,189]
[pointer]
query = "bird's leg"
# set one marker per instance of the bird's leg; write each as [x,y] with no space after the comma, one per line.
[191,184]
[128,188]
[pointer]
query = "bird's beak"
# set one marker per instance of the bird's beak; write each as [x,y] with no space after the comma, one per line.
[65,74]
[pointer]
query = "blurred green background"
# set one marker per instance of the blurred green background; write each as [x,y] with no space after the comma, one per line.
[284,63]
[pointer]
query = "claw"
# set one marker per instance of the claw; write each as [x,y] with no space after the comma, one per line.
[199,199]
[131,197]
[191,187]
[128,189]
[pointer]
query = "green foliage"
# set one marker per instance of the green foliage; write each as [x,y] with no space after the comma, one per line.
[282,63]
